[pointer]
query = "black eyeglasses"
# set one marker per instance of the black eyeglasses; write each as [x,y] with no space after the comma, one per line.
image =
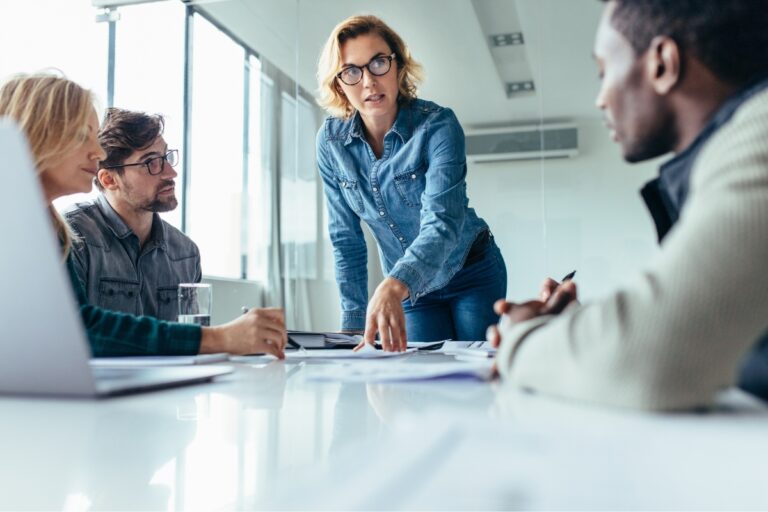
[156,164]
[378,66]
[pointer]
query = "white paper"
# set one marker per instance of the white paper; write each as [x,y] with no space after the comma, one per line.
[410,371]
[367,352]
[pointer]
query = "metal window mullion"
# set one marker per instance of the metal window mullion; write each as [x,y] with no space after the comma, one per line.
[112,26]
[244,200]
[187,144]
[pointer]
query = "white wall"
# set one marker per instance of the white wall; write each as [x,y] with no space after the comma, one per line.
[549,217]
[554,216]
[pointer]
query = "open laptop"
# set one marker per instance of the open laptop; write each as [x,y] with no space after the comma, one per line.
[43,344]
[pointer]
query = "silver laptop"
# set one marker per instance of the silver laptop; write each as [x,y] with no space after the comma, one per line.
[43,345]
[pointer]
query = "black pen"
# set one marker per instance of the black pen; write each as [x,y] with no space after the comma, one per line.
[568,277]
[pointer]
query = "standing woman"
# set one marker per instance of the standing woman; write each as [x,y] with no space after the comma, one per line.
[58,118]
[397,163]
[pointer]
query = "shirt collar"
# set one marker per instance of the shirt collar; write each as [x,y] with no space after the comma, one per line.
[666,194]
[114,222]
[355,130]
[404,122]
[686,157]
[403,125]
[119,228]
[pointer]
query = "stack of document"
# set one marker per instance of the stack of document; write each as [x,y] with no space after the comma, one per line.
[339,340]
[461,349]
[367,352]
[315,340]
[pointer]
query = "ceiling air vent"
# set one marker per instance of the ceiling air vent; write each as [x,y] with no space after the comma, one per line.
[522,143]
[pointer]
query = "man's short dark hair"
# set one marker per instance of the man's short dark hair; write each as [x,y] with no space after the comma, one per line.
[730,37]
[124,131]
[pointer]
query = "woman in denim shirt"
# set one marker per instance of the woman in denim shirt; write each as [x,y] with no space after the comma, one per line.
[58,118]
[398,164]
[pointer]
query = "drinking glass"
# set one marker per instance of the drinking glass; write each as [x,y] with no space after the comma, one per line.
[195,301]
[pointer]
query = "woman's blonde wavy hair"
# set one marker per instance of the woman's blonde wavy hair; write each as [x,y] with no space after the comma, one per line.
[53,114]
[330,97]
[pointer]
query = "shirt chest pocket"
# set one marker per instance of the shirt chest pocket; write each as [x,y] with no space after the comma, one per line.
[351,192]
[168,303]
[119,295]
[410,185]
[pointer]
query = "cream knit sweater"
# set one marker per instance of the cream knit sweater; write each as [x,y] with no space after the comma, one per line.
[677,333]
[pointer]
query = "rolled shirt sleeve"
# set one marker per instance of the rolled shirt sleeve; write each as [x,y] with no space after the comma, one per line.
[349,249]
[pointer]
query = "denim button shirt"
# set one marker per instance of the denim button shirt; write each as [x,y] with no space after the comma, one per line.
[414,199]
[117,274]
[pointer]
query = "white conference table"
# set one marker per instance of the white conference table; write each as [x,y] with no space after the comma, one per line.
[266,437]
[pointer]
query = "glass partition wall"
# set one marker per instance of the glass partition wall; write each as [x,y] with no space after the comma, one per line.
[235,80]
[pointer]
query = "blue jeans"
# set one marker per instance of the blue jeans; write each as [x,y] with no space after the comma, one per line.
[463,309]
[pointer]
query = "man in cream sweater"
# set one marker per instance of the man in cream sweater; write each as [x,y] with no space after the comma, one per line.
[690,77]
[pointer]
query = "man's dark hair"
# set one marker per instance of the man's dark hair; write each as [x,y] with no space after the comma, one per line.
[123,131]
[730,37]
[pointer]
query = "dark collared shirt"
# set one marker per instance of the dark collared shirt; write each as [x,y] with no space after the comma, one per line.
[666,195]
[118,274]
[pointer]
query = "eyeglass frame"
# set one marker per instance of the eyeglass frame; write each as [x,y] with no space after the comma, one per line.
[148,162]
[367,66]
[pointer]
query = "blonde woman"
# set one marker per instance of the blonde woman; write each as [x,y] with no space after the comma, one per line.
[59,120]
[397,163]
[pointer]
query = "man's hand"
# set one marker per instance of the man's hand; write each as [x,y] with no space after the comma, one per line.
[385,316]
[553,299]
[258,330]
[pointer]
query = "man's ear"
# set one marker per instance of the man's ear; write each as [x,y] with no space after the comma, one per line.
[664,64]
[107,179]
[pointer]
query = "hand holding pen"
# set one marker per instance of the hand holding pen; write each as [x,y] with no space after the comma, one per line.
[260,330]
[549,286]
[289,341]
[554,297]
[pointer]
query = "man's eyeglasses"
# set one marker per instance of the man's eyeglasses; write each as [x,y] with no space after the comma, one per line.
[156,164]
[378,66]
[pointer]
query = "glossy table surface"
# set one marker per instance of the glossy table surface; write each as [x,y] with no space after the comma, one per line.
[269,437]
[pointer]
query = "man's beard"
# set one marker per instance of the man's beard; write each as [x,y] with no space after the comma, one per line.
[161,205]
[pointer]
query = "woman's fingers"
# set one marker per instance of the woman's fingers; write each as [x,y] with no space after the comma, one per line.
[270,347]
[371,328]
[384,333]
[275,336]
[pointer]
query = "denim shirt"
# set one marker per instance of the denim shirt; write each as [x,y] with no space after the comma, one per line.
[413,199]
[119,275]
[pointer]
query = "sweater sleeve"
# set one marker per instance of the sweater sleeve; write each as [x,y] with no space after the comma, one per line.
[118,334]
[676,334]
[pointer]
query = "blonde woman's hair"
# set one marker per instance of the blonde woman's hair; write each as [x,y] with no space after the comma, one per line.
[53,113]
[409,72]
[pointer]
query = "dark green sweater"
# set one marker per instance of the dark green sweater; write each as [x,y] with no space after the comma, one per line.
[118,334]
